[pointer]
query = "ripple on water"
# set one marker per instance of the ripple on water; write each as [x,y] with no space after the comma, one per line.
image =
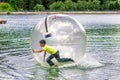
[17,63]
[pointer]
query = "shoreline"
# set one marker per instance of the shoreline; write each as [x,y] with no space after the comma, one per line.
[60,12]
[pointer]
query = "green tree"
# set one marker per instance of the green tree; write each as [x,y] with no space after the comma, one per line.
[82,5]
[70,5]
[14,3]
[47,3]
[94,5]
[32,3]
[5,7]
[39,7]
[114,5]
[57,6]
[90,5]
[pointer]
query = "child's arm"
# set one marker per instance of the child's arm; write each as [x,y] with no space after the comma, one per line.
[39,51]
[44,56]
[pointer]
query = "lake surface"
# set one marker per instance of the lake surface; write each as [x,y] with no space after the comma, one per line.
[17,62]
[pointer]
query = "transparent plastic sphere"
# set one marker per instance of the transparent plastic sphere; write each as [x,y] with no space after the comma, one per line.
[67,35]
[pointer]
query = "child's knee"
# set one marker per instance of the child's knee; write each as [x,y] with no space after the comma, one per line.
[58,59]
[48,60]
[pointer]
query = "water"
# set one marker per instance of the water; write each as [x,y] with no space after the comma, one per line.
[17,63]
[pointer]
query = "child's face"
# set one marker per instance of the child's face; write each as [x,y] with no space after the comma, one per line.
[42,44]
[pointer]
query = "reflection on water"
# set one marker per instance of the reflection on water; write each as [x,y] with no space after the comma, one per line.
[17,63]
[53,73]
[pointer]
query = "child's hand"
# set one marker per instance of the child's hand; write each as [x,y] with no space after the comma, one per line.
[33,50]
[36,51]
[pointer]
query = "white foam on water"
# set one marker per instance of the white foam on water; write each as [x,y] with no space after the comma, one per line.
[89,62]
[86,62]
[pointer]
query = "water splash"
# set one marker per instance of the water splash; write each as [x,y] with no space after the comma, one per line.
[87,62]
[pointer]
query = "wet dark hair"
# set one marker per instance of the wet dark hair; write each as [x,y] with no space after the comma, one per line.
[43,41]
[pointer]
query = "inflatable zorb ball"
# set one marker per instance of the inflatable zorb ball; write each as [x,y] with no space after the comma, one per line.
[62,32]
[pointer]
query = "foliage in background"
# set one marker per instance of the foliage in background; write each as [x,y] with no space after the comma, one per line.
[62,5]
[58,6]
[70,5]
[5,7]
[39,7]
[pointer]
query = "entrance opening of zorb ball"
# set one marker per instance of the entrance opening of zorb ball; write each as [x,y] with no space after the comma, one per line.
[62,32]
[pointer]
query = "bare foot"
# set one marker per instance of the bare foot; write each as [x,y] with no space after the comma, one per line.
[55,65]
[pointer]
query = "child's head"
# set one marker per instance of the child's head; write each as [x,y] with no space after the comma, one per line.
[42,43]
